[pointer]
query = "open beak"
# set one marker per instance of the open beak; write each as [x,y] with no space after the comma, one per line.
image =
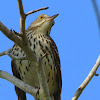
[54,16]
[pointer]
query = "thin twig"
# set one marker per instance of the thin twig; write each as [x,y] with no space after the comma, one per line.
[20,35]
[5,52]
[9,53]
[33,11]
[20,5]
[2,53]
[96,11]
[17,82]
[22,16]
[87,80]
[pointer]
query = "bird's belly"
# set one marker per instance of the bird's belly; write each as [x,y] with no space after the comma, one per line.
[27,72]
[29,75]
[40,46]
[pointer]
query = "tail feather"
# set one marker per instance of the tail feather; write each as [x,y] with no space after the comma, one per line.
[57,96]
[21,94]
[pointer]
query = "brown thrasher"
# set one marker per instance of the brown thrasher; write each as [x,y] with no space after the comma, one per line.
[40,42]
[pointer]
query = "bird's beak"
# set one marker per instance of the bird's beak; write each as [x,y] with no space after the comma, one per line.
[54,16]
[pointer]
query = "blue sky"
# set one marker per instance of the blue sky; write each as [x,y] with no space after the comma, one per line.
[77,37]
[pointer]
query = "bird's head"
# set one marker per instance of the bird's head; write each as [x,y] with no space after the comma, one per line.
[43,23]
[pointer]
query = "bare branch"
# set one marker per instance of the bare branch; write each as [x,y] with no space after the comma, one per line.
[20,5]
[9,53]
[22,17]
[31,12]
[96,11]
[87,80]
[17,82]
[6,52]
[9,34]
[2,53]
[44,92]
[18,41]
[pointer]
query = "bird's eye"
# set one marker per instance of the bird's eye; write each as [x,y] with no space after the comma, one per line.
[40,17]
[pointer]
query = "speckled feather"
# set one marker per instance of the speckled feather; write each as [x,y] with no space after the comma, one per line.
[40,44]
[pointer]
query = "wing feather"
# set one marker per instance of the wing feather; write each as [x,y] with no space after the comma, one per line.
[57,64]
[21,94]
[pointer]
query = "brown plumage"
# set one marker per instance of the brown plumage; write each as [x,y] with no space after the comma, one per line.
[40,42]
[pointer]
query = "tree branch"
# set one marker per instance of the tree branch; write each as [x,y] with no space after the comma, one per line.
[87,80]
[22,16]
[9,34]
[17,82]
[44,94]
[25,47]
[6,52]
[31,12]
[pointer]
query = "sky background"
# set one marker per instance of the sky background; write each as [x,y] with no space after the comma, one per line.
[77,37]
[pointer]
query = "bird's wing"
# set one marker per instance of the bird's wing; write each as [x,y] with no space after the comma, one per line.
[21,94]
[57,64]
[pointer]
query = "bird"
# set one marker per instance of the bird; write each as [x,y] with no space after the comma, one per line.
[40,42]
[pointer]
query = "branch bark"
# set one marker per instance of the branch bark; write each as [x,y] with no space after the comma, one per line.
[17,82]
[31,12]
[87,80]
[22,17]
[9,34]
